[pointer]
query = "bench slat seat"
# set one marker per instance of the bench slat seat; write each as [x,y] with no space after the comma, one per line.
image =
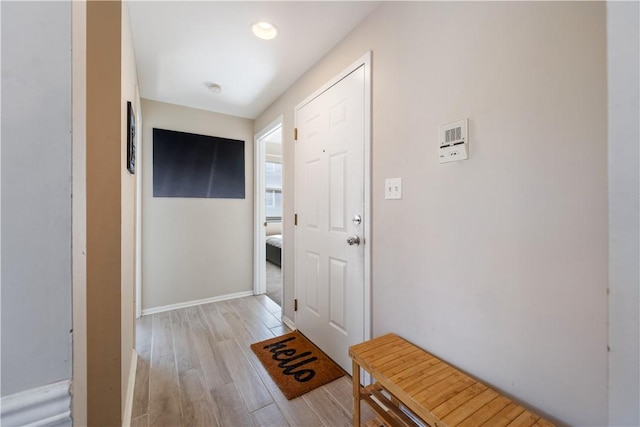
[434,391]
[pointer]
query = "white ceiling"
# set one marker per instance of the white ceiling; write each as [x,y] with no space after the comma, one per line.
[180,45]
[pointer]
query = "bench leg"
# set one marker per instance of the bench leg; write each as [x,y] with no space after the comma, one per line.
[356,395]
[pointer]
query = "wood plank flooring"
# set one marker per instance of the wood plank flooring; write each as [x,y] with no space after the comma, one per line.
[195,368]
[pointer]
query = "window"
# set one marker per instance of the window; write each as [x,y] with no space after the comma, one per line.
[273,196]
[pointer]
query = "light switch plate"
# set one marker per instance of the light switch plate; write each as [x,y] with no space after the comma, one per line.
[393,188]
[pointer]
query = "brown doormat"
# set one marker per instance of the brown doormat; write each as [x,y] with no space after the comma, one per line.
[295,364]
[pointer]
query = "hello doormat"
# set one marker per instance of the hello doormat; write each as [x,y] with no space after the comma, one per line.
[295,364]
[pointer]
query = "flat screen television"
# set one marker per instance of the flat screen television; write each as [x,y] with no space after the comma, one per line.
[197,166]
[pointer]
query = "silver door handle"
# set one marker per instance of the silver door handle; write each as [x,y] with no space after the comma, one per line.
[353,240]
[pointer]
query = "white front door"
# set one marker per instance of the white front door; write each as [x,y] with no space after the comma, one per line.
[330,197]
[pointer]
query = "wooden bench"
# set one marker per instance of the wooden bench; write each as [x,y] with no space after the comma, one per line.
[436,393]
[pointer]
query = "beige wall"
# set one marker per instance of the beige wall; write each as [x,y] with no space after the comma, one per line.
[497,264]
[128,200]
[104,172]
[194,249]
[273,228]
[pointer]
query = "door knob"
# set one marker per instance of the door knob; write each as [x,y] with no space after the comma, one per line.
[353,240]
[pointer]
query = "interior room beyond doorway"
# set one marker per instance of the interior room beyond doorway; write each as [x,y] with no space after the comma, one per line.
[269,247]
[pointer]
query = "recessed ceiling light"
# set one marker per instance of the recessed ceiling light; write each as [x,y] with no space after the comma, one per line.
[264,30]
[213,87]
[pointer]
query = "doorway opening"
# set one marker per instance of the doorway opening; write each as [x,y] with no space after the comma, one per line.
[269,248]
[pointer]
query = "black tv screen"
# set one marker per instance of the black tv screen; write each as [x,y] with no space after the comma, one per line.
[200,166]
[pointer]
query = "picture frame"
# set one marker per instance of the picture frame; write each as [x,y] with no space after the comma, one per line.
[131,139]
[190,165]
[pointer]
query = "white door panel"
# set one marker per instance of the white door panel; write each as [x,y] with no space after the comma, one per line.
[329,193]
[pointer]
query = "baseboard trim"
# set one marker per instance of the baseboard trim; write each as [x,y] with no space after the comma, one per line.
[45,406]
[128,403]
[290,324]
[154,310]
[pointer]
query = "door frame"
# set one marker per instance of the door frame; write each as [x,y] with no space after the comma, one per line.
[138,204]
[259,231]
[363,61]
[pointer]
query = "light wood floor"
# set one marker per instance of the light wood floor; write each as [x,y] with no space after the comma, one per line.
[274,282]
[195,368]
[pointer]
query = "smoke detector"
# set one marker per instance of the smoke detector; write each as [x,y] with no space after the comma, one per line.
[213,87]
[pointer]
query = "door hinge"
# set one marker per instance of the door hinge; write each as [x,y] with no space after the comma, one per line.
[295,219]
[295,134]
[295,305]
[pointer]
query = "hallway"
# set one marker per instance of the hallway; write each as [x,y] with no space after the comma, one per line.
[195,368]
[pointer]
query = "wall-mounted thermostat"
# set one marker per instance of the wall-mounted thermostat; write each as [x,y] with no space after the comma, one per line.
[454,141]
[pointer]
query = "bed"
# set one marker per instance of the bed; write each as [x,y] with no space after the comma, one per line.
[274,249]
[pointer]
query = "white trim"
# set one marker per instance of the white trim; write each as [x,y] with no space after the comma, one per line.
[79,208]
[365,61]
[368,319]
[259,237]
[128,403]
[138,206]
[49,405]
[161,309]
[290,324]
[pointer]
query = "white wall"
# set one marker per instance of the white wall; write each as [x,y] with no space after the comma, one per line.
[624,212]
[194,248]
[273,153]
[273,150]
[497,264]
[129,85]
[36,194]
